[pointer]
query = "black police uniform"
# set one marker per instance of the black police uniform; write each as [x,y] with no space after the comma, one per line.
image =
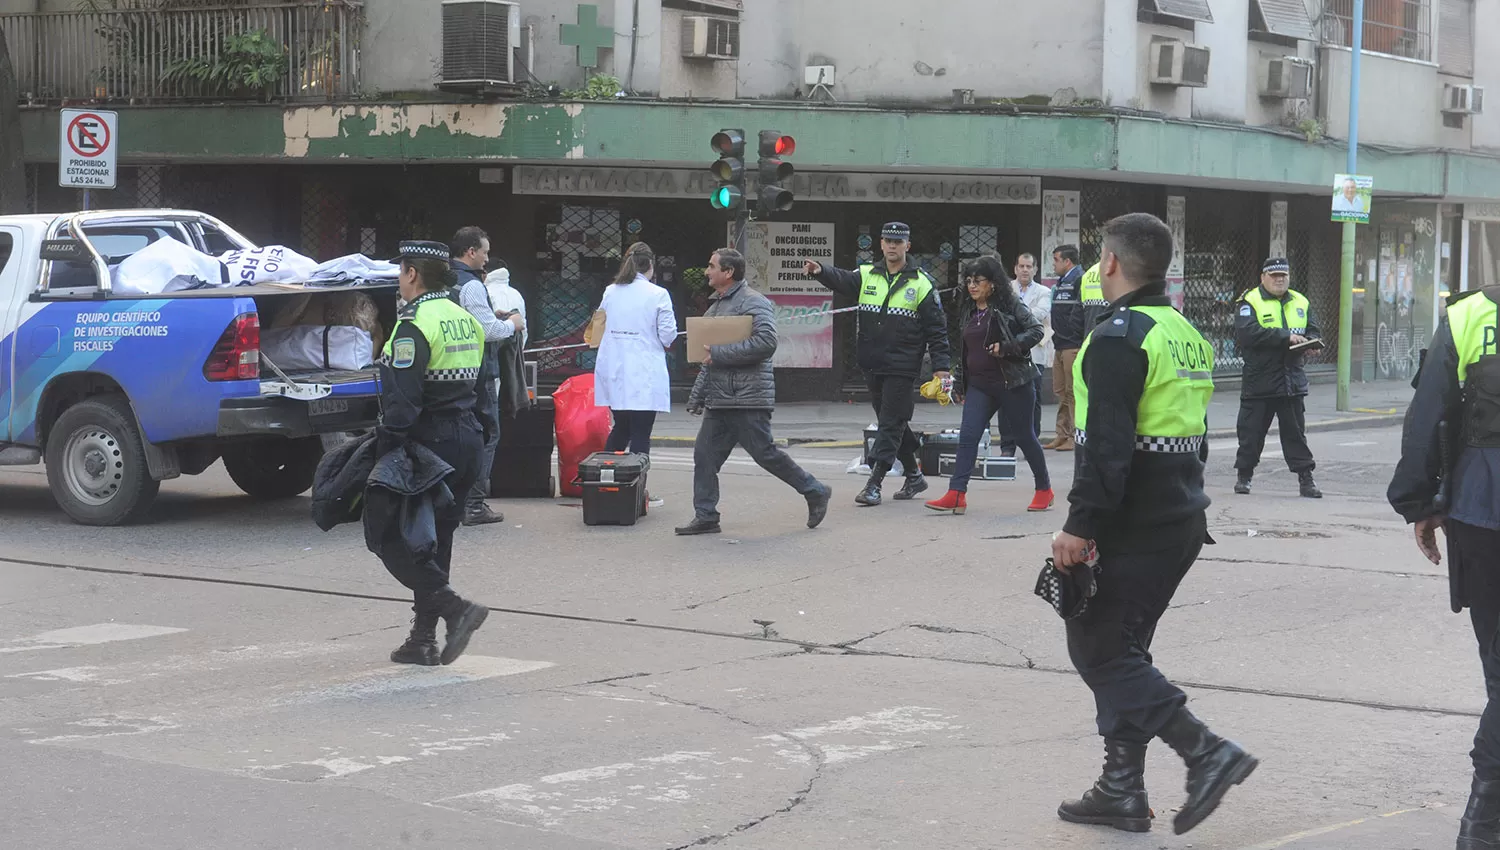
[436,409]
[1450,467]
[894,333]
[1141,499]
[1274,381]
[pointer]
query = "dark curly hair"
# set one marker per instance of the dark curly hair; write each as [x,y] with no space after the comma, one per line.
[990,268]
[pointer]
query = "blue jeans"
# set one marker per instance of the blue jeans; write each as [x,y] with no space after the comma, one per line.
[487,411]
[1015,409]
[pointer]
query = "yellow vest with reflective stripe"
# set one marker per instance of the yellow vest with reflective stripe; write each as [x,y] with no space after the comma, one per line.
[1091,288]
[1473,322]
[1173,409]
[454,336]
[874,289]
[1289,313]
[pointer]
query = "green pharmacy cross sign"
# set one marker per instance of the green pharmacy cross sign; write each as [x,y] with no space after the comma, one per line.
[587,35]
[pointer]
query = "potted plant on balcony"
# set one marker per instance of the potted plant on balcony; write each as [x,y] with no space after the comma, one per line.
[248,64]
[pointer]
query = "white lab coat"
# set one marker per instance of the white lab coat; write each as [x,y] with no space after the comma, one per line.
[630,372]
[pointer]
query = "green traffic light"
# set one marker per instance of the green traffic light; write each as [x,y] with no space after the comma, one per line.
[725,196]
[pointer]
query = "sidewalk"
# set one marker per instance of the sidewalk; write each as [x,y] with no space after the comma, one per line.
[841,425]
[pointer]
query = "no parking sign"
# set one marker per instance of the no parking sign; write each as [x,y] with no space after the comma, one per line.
[86,154]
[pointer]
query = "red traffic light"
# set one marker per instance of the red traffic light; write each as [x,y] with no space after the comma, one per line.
[773,143]
[729,143]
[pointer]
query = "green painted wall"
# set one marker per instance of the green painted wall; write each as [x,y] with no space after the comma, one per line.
[1081,145]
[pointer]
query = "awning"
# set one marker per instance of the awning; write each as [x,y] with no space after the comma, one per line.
[1196,10]
[1282,17]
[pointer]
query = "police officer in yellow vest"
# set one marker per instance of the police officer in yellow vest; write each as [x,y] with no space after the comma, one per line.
[1091,293]
[900,319]
[428,379]
[1270,320]
[1449,477]
[1143,381]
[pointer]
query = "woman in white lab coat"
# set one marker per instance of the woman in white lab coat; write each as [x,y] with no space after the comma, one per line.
[630,372]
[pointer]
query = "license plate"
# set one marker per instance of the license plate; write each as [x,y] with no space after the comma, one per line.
[328,406]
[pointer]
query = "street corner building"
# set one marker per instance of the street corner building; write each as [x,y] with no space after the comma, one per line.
[574,129]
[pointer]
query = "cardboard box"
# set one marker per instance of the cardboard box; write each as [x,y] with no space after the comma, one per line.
[721,330]
[594,333]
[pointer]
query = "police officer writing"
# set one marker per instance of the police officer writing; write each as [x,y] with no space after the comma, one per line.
[1143,382]
[428,378]
[1448,477]
[1272,331]
[900,319]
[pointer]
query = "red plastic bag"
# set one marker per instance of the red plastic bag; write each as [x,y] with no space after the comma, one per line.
[582,429]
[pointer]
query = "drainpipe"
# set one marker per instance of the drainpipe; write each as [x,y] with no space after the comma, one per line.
[1346,278]
[635,28]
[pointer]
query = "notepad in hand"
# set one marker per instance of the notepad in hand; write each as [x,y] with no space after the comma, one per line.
[1310,345]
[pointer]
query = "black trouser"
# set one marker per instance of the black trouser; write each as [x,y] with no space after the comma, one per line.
[1007,439]
[1110,645]
[487,411]
[894,400]
[722,430]
[632,431]
[1255,421]
[459,441]
[1474,563]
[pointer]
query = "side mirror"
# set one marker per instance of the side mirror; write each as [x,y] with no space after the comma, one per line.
[64,250]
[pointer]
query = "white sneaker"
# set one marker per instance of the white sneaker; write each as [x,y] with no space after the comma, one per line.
[654,502]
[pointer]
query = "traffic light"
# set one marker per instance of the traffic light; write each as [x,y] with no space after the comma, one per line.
[729,170]
[775,173]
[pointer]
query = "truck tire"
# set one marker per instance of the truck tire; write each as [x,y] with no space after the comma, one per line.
[96,463]
[274,467]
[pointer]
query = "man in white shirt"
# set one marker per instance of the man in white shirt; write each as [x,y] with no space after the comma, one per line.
[1038,299]
[506,299]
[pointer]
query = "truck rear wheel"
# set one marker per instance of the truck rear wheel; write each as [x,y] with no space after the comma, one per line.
[96,463]
[274,467]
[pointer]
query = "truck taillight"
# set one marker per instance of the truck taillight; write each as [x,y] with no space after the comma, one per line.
[236,356]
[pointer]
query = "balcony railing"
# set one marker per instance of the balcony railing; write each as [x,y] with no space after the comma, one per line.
[295,50]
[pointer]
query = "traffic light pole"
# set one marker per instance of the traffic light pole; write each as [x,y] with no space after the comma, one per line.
[741,220]
[1351,230]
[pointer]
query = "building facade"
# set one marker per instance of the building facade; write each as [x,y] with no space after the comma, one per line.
[1013,130]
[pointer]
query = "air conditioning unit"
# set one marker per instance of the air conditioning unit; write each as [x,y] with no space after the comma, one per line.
[480,38]
[1464,100]
[1287,79]
[710,38]
[1177,63]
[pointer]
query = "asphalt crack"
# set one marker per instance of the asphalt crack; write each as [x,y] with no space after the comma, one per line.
[948,630]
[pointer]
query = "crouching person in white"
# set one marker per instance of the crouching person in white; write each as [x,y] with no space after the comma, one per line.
[735,393]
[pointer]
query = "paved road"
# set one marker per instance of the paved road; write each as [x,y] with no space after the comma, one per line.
[217,679]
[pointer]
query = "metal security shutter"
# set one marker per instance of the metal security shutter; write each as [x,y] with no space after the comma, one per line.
[1283,17]
[1456,37]
[1196,10]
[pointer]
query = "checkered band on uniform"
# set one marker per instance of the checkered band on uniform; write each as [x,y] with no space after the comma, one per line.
[902,312]
[427,251]
[1080,437]
[1168,445]
[452,374]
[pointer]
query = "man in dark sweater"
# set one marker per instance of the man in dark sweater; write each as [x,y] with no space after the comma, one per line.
[1067,335]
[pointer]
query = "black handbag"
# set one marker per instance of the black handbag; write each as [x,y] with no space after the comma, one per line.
[1068,592]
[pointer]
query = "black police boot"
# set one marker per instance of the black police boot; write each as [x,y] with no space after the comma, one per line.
[463,618]
[1480,827]
[1214,766]
[870,496]
[1242,485]
[1118,799]
[915,485]
[1307,487]
[421,645]
[817,505]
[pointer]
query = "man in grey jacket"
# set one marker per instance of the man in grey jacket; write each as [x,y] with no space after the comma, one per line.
[735,394]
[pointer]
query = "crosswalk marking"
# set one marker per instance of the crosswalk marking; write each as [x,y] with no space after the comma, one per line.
[87,636]
[396,679]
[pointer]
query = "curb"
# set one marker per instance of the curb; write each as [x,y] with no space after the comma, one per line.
[1348,423]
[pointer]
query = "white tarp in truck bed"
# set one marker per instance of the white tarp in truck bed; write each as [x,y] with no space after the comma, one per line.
[300,348]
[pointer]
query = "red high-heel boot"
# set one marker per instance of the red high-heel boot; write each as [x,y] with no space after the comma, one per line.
[953,501]
[1041,501]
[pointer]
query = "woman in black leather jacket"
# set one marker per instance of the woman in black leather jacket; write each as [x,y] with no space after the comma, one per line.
[994,373]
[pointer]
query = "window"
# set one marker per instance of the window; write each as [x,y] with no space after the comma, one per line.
[711,7]
[115,244]
[216,243]
[1285,18]
[1175,13]
[1395,27]
[1456,37]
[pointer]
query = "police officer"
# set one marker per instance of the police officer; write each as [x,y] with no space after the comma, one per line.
[1143,381]
[428,379]
[1272,318]
[1447,477]
[1091,293]
[900,319]
[1068,331]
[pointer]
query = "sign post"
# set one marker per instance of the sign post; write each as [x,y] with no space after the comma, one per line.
[86,151]
[1346,274]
